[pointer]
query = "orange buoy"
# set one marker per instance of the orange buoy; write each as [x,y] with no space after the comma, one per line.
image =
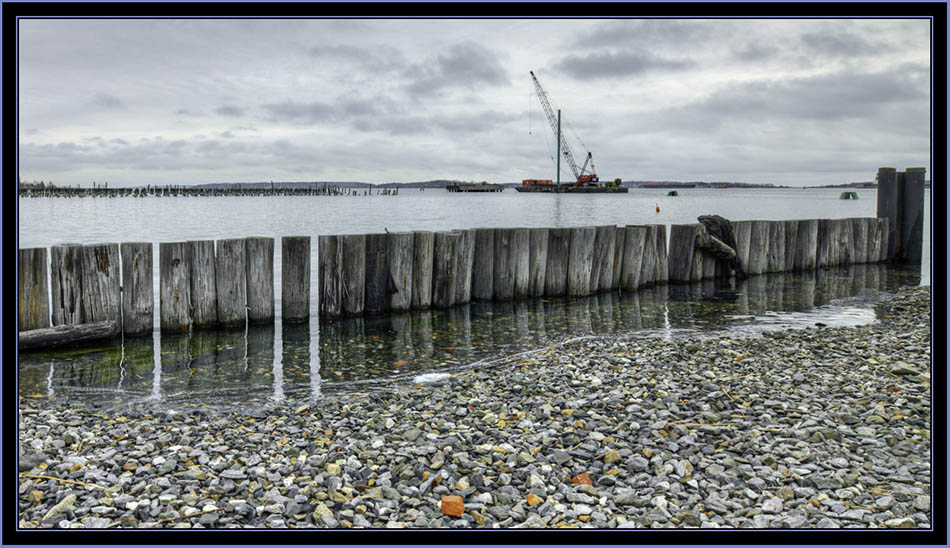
[657,208]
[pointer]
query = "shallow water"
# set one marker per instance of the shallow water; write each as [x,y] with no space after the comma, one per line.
[290,362]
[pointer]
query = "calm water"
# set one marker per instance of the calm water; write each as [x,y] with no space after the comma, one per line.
[283,362]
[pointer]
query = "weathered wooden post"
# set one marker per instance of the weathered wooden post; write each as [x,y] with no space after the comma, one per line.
[483,265]
[682,245]
[100,283]
[791,243]
[558,256]
[697,269]
[330,266]
[859,235]
[634,240]
[377,273]
[806,245]
[260,280]
[888,206]
[537,260]
[204,298]
[230,279]
[872,242]
[743,233]
[400,270]
[607,248]
[597,258]
[580,260]
[844,241]
[883,229]
[912,215]
[827,254]
[758,247]
[648,262]
[620,247]
[444,269]
[776,251]
[423,242]
[294,278]
[174,287]
[354,274]
[662,274]
[464,262]
[520,247]
[66,284]
[32,298]
[138,295]
[503,283]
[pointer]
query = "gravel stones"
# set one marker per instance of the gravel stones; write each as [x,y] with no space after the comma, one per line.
[791,429]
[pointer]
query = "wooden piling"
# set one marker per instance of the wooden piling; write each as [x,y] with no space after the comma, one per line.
[537,260]
[32,295]
[422,247]
[558,257]
[912,215]
[743,233]
[791,243]
[260,279]
[634,240]
[354,274]
[776,252]
[503,274]
[376,297]
[294,278]
[483,265]
[520,248]
[100,283]
[883,229]
[682,245]
[464,262]
[204,298]
[827,254]
[400,270]
[662,272]
[806,245]
[648,262]
[859,235]
[620,247]
[444,269]
[138,294]
[758,247]
[174,275]
[580,261]
[330,267]
[230,279]
[66,284]
[697,269]
[844,237]
[597,259]
[607,248]
[888,197]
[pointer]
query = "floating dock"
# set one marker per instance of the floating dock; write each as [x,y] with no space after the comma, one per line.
[473,187]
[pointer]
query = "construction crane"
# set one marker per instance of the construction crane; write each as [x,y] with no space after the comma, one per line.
[581,173]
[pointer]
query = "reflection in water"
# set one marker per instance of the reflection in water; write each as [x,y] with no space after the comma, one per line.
[299,361]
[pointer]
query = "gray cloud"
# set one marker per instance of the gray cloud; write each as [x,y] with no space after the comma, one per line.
[617,65]
[841,43]
[646,33]
[108,101]
[229,110]
[757,51]
[465,65]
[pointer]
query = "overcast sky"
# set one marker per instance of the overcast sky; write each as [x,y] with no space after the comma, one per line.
[796,102]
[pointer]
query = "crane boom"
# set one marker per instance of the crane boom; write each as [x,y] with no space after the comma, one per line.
[579,173]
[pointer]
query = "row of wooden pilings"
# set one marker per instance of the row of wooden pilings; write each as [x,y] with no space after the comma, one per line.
[201,284]
[378,273]
[205,284]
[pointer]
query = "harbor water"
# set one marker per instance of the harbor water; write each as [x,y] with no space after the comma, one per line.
[285,362]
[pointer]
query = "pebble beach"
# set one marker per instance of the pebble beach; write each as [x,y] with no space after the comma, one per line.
[825,428]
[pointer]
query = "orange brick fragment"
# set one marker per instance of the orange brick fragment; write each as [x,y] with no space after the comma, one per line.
[582,479]
[452,505]
[533,499]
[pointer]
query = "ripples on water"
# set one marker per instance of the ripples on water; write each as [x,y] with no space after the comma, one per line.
[283,362]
